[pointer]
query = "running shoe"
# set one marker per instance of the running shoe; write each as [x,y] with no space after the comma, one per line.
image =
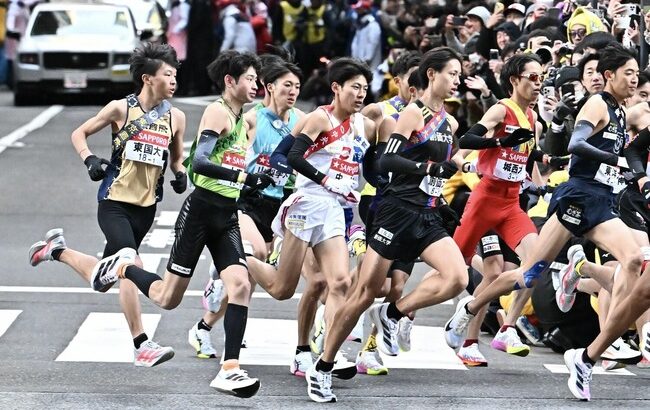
[643,364]
[471,356]
[357,333]
[579,374]
[387,329]
[343,368]
[151,354]
[404,327]
[357,241]
[645,341]
[569,277]
[370,363]
[619,351]
[42,250]
[319,385]
[213,272]
[508,341]
[301,363]
[235,382]
[213,295]
[318,339]
[529,331]
[200,340]
[274,257]
[106,270]
[456,326]
[611,365]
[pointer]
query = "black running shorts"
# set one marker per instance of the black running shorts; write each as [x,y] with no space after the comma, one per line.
[398,264]
[124,225]
[262,210]
[632,209]
[206,219]
[401,232]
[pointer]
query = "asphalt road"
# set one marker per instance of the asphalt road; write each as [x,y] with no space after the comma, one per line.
[62,346]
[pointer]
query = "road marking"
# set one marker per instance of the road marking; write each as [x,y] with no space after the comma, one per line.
[105,337]
[272,342]
[159,238]
[562,369]
[7,317]
[36,123]
[167,218]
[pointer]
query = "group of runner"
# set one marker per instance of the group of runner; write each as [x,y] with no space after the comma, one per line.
[277,180]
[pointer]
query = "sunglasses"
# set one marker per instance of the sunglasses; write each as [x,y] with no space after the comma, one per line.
[534,77]
[578,33]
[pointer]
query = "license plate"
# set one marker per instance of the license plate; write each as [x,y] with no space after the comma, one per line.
[75,80]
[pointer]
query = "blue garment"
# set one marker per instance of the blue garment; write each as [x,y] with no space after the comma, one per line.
[270,130]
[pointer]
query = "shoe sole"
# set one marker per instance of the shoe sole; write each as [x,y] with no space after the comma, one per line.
[345,374]
[242,392]
[519,351]
[371,372]
[35,248]
[373,314]
[626,360]
[165,357]
[473,364]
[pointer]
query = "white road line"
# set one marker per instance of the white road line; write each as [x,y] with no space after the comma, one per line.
[7,317]
[561,369]
[105,337]
[38,121]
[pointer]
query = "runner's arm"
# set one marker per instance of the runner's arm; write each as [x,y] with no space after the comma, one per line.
[592,114]
[391,161]
[111,113]
[278,158]
[637,152]
[215,124]
[315,123]
[475,138]
[176,147]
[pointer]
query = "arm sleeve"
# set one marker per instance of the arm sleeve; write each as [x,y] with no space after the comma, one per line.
[202,164]
[278,158]
[371,169]
[556,141]
[474,138]
[391,161]
[536,155]
[636,153]
[579,145]
[296,159]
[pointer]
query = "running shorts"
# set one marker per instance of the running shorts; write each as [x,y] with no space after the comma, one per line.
[124,225]
[261,209]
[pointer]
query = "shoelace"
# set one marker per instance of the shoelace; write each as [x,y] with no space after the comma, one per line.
[326,383]
[204,338]
[462,323]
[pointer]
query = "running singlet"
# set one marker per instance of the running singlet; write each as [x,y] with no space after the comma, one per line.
[337,153]
[508,163]
[392,107]
[135,175]
[270,130]
[229,152]
[612,138]
[431,143]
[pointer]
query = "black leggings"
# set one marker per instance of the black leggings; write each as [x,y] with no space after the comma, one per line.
[124,225]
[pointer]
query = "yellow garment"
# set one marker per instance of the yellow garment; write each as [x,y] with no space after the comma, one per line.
[392,88]
[460,179]
[506,302]
[586,18]
[291,15]
[368,190]
[315,25]
[541,208]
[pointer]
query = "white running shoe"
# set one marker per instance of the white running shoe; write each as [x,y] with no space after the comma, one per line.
[471,356]
[235,382]
[42,250]
[386,329]
[200,340]
[645,341]
[405,325]
[370,363]
[569,277]
[301,363]
[509,342]
[151,354]
[318,339]
[456,326]
[619,351]
[105,271]
[611,365]
[319,385]
[274,257]
[357,333]
[529,331]
[579,374]
[343,368]
[213,295]
[213,272]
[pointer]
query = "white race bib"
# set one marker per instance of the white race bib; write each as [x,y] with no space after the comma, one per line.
[432,186]
[263,165]
[509,171]
[609,175]
[341,169]
[235,161]
[147,147]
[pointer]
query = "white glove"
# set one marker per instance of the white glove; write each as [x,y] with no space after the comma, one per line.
[338,186]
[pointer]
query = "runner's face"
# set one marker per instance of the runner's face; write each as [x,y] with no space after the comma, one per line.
[625,79]
[351,94]
[404,85]
[163,83]
[285,90]
[446,82]
[641,95]
[246,87]
[526,87]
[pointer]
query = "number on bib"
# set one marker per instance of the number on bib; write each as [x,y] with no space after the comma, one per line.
[609,175]
[509,171]
[147,147]
[432,186]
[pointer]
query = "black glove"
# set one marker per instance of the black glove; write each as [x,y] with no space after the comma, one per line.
[180,183]
[645,191]
[559,162]
[517,137]
[443,170]
[259,181]
[565,107]
[449,216]
[94,165]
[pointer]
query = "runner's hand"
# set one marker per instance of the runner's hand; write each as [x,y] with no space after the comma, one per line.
[517,137]
[338,186]
[259,181]
[180,182]
[449,217]
[443,170]
[94,165]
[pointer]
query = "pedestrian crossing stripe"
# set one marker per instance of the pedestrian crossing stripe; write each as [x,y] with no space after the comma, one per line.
[105,337]
[7,317]
[562,369]
[272,342]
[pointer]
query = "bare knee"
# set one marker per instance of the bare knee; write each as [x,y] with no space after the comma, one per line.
[396,290]
[169,302]
[316,284]
[340,285]
[458,281]
[633,262]
[239,289]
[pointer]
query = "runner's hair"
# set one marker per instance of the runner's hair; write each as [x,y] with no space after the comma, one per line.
[148,58]
[233,63]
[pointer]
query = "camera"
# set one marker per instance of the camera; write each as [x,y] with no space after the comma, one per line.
[494,54]
[565,49]
[459,21]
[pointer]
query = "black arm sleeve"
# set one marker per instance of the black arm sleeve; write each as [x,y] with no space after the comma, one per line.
[371,170]
[556,143]
[474,138]
[536,155]
[578,145]
[296,159]
[202,164]
[391,161]
[636,153]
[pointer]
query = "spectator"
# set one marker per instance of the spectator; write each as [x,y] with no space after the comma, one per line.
[515,13]
[3,28]
[477,19]
[238,31]
[259,14]
[315,24]
[17,17]
[507,33]
[177,38]
[285,29]
[582,23]
[564,112]
[366,43]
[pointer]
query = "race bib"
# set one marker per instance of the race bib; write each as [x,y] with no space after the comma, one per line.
[263,165]
[609,175]
[509,171]
[344,170]
[235,161]
[147,147]
[432,186]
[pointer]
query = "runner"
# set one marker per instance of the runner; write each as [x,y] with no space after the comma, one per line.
[208,217]
[146,130]
[408,222]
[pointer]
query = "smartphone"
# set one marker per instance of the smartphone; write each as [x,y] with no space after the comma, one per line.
[499,7]
[459,21]
[548,91]
[553,13]
[567,89]
[494,54]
